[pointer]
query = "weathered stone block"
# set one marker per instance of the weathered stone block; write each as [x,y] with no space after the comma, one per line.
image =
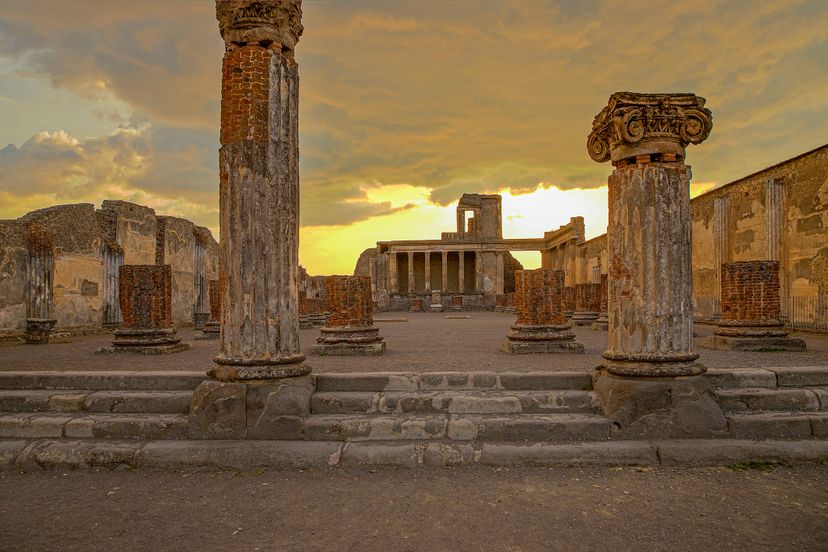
[773,425]
[801,376]
[218,411]
[275,409]
[659,407]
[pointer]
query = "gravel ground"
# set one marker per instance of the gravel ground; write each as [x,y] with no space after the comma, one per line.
[752,508]
[427,342]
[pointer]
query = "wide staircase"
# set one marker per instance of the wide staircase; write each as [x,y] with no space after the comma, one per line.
[83,419]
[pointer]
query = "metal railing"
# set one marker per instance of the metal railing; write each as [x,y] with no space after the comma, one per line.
[798,313]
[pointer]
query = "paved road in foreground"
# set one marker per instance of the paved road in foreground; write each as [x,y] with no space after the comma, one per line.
[746,508]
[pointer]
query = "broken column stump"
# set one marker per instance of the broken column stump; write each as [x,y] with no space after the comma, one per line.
[38,330]
[350,329]
[146,307]
[751,310]
[650,384]
[212,329]
[456,303]
[602,324]
[436,301]
[568,301]
[587,304]
[541,326]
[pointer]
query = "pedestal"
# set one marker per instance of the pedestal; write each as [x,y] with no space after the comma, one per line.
[350,330]
[38,330]
[436,301]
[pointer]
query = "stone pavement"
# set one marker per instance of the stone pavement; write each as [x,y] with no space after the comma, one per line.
[753,507]
[428,342]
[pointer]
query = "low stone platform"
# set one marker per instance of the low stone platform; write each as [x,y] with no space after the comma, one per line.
[755,344]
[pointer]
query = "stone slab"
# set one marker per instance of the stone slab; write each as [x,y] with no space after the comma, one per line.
[238,455]
[9,451]
[609,453]
[769,425]
[758,377]
[546,380]
[375,348]
[726,452]
[144,350]
[802,376]
[377,381]
[778,398]
[68,454]
[97,380]
[758,344]
[541,347]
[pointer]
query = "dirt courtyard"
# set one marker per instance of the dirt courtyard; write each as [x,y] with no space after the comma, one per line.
[426,342]
[754,507]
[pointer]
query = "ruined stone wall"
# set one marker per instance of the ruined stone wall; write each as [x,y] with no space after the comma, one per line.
[84,242]
[176,246]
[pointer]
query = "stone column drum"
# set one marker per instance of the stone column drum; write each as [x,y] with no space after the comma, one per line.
[263,389]
[146,307]
[350,329]
[212,329]
[751,311]
[602,324]
[587,304]
[541,326]
[649,384]
[568,301]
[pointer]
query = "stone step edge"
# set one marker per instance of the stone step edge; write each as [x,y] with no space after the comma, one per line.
[162,380]
[46,454]
[78,401]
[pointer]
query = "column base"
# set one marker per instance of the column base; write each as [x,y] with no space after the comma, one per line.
[436,307]
[200,320]
[38,330]
[524,339]
[350,341]
[653,365]
[250,410]
[161,341]
[661,407]
[602,324]
[305,323]
[756,344]
[212,330]
[583,318]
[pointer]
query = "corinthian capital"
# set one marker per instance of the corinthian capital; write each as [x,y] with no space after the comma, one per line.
[253,21]
[639,124]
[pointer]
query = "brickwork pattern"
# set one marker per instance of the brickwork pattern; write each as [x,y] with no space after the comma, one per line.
[349,301]
[538,297]
[587,297]
[146,296]
[750,291]
[567,298]
[245,102]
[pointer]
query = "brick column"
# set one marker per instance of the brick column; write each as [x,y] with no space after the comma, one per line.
[350,328]
[212,329]
[649,383]
[541,326]
[146,308]
[587,304]
[602,324]
[568,300]
[751,311]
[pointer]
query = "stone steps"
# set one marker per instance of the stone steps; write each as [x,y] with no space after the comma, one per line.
[455,402]
[119,401]
[63,454]
[93,426]
[467,427]
[776,398]
[778,425]
[96,381]
[454,381]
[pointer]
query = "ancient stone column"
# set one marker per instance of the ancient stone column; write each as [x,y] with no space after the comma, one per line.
[649,383]
[411,280]
[212,329]
[461,272]
[444,273]
[587,304]
[500,286]
[39,282]
[259,199]
[427,255]
[540,326]
[393,278]
[259,393]
[751,311]
[436,301]
[602,324]
[350,329]
[145,293]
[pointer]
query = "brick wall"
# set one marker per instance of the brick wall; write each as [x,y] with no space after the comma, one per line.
[146,296]
[349,301]
[245,85]
[538,297]
[750,291]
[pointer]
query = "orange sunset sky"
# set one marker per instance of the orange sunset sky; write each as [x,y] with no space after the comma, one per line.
[405,105]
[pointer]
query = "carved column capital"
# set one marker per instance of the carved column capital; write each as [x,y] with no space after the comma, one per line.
[642,124]
[260,21]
